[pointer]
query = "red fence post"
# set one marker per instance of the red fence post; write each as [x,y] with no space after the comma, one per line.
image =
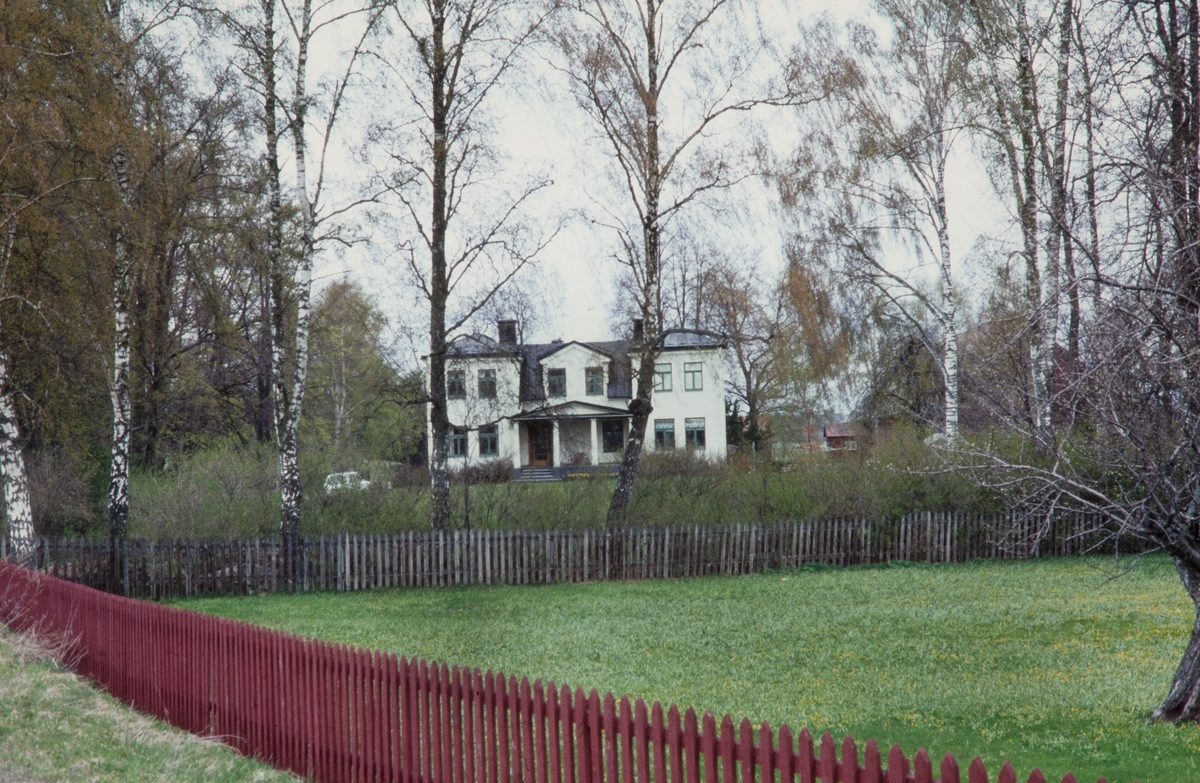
[784,761]
[338,713]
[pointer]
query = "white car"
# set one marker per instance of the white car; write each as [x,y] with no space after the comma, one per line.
[336,482]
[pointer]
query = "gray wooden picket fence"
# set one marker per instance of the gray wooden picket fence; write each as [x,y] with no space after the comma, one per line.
[360,561]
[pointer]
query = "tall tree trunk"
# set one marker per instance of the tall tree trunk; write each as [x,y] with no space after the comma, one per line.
[118,487]
[439,423]
[948,306]
[1089,181]
[1035,285]
[288,406]
[1058,238]
[271,304]
[18,509]
[641,406]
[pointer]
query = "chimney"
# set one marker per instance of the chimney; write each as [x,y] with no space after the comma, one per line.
[639,330]
[508,332]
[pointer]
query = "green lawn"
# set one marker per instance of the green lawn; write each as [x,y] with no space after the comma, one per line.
[55,727]
[1045,663]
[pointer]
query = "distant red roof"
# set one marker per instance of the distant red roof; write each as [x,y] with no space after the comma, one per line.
[839,429]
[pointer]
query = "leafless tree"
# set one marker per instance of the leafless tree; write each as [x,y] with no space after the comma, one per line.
[310,119]
[1128,447]
[449,63]
[885,215]
[659,83]
[1023,118]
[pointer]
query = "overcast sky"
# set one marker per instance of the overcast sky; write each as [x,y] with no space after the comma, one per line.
[541,131]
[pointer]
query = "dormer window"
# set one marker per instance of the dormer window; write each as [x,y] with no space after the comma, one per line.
[593,378]
[456,384]
[556,383]
[487,384]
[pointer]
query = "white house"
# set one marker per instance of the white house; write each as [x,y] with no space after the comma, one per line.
[562,405]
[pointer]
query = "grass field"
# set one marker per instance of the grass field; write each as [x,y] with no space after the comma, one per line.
[54,727]
[1045,663]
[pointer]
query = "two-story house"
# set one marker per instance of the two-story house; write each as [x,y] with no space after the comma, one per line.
[566,404]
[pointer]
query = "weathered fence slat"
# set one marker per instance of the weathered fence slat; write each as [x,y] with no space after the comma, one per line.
[350,561]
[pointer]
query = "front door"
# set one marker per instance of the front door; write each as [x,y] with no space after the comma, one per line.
[541,444]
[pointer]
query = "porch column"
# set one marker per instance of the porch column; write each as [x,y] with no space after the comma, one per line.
[557,446]
[595,444]
[514,429]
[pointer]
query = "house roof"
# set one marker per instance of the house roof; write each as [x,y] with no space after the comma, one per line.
[531,355]
[840,429]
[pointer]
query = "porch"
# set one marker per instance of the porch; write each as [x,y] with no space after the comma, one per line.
[573,437]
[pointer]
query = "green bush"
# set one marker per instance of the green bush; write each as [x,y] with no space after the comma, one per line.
[232,491]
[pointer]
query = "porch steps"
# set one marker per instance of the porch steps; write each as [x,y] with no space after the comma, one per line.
[537,474]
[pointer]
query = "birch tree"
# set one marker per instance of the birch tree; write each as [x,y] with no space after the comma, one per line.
[888,217]
[659,83]
[118,162]
[1132,454]
[469,235]
[1010,95]
[47,103]
[17,507]
[275,34]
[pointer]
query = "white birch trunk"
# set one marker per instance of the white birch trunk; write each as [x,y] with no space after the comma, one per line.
[949,307]
[122,414]
[288,401]
[17,506]
[18,509]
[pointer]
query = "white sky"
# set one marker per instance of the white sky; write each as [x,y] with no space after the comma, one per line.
[546,133]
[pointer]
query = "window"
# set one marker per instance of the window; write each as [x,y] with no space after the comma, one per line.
[693,376]
[488,441]
[662,378]
[487,384]
[664,434]
[614,435]
[457,445]
[593,381]
[456,384]
[556,383]
[693,430]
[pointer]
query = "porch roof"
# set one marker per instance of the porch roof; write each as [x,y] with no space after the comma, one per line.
[573,409]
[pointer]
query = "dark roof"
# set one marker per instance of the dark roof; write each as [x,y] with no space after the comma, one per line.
[840,429]
[478,345]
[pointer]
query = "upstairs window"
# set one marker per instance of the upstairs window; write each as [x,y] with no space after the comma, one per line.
[693,376]
[487,384]
[488,441]
[614,435]
[664,434]
[662,379]
[456,384]
[593,381]
[693,430]
[556,383]
[457,442]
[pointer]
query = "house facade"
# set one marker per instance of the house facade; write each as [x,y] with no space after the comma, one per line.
[562,405]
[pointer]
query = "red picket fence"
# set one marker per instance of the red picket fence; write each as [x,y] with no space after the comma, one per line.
[335,713]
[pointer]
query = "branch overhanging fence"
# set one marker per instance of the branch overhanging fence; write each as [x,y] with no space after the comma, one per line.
[145,568]
[340,714]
